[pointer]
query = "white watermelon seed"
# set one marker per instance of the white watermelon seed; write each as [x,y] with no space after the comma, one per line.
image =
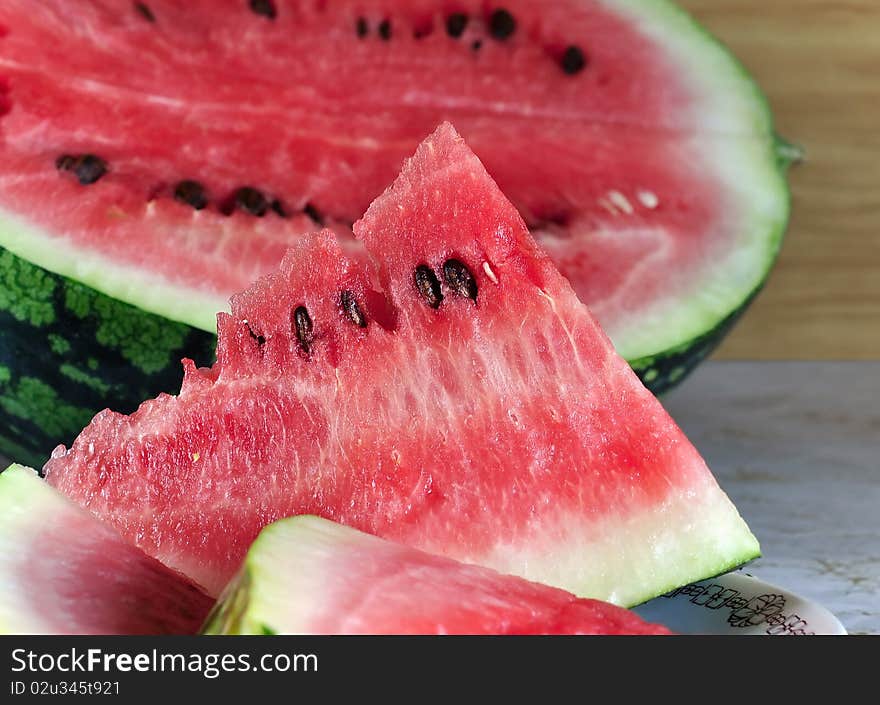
[648,199]
[621,202]
[489,273]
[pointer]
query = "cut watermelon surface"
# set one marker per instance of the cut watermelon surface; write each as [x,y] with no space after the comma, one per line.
[307,575]
[64,572]
[457,397]
[166,162]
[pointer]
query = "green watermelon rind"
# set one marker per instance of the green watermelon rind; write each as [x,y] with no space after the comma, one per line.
[96,353]
[698,331]
[663,371]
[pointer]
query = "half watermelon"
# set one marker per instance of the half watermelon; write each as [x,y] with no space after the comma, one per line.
[151,164]
[307,575]
[64,572]
[456,397]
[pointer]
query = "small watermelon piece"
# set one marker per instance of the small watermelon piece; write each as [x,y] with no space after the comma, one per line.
[639,152]
[307,575]
[64,572]
[470,406]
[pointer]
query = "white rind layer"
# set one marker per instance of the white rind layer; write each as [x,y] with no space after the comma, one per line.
[132,285]
[694,533]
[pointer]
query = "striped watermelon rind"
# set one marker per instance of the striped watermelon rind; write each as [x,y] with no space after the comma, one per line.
[95,352]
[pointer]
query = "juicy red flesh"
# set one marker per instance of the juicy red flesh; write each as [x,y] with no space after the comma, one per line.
[290,101]
[84,579]
[460,429]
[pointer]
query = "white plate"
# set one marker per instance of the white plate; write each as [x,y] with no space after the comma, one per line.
[738,603]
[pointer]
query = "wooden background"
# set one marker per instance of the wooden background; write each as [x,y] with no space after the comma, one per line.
[819,63]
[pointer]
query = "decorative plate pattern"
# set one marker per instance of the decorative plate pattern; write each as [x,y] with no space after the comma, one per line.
[738,603]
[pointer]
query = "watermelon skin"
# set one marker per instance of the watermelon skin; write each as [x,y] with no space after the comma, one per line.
[506,433]
[64,572]
[655,124]
[307,575]
[94,352]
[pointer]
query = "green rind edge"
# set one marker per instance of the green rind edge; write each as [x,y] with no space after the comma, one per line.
[781,153]
[663,372]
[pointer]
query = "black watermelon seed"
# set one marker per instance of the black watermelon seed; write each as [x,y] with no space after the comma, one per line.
[477,45]
[351,309]
[501,24]
[314,213]
[260,340]
[456,23]
[573,60]
[279,208]
[145,11]
[303,327]
[428,285]
[192,193]
[65,162]
[385,30]
[361,27]
[252,201]
[87,167]
[460,279]
[266,8]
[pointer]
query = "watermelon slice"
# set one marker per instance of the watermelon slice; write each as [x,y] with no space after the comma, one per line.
[469,406]
[64,572]
[307,575]
[165,159]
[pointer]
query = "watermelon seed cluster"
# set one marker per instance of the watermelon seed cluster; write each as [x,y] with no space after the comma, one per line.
[89,168]
[501,25]
[458,277]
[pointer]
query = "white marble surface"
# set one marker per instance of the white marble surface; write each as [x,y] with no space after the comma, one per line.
[797,447]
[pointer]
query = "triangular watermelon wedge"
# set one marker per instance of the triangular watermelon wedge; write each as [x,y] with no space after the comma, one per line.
[458,398]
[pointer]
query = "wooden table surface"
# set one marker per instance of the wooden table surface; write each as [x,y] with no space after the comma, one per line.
[797,447]
[819,63]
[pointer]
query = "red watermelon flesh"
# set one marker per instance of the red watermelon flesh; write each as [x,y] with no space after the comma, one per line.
[646,168]
[307,575]
[64,572]
[501,430]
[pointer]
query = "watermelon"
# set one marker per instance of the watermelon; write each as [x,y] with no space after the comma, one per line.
[307,575]
[161,155]
[64,572]
[456,397]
